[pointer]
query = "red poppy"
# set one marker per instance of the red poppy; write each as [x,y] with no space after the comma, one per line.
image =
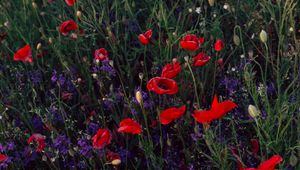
[101,138]
[217,111]
[269,164]
[171,70]
[67,26]
[219,45]
[39,139]
[2,157]
[191,42]
[161,85]
[201,59]
[168,115]
[70,2]
[146,37]
[101,54]
[128,125]
[24,54]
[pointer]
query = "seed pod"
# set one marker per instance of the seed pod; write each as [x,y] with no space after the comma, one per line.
[263,36]
[253,111]
[236,40]
[211,2]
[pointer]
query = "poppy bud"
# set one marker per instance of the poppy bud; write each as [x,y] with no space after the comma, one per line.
[116,162]
[39,46]
[50,41]
[7,24]
[174,60]
[78,14]
[236,40]
[111,63]
[263,36]
[94,75]
[211,2]
[139,97]
[74,36]
[220,62]
[291,29]
[141,75]
[253,111]
[190,10]
[34,5]
[293,160]
[186,58]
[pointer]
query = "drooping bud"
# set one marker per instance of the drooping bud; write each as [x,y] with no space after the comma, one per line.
[211,2]
[236,40]
[78,14]
[34,5]
[39,46]
[263,36]
[253,111]
[116,162]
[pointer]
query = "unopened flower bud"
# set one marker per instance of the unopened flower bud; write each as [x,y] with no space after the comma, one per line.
[211,2]
[263,36]
[78,14]
[39,46]
[141,75]
[253,111]
[116,162]
[34,5]
[139,97]
[190,10]
[186,58]
[174,60]
[50,41]
[94,75]
[236,40]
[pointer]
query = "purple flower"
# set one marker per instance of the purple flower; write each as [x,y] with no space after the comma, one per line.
[61,143]
[106,67]
[230,84]
[93,127]
[35,77]
[85,148]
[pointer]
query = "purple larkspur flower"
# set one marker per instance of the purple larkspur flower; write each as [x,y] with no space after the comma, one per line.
[231,84]
[92,128]
[271,89]
[11,146]
[6,163]
[61,143]
[106,67]
[35,77]
[37,123]
[85,148]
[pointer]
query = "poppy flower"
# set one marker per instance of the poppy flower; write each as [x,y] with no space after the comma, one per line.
[24,54]
[101,54]
[146,37]
[201,59]
[67,26]
[219,45]
[128,125]
[168,115]
[161,85]
[269,164]
[101,138]
[39,139]
[191,42]
[217,111]
[2,157]
[171,70]
[70,2]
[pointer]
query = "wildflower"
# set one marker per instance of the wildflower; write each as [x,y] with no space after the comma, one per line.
[146,37]
[128,125]
[219,45]
[24,54]
[40,139]
[201,59]
[253,111]
[263,36]
[170,114]
[161,85]
[67,26]
[3,158]
[269,164]
[101,54]
[191,42]
[171,70]
[101,138]
[217,111]
[70,2]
